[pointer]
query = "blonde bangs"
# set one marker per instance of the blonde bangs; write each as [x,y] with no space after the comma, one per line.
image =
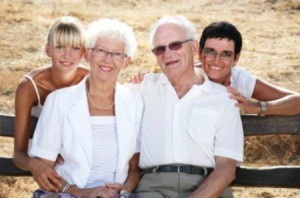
[67,37]
[66,32]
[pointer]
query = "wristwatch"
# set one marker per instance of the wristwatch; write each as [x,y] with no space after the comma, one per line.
[263,107]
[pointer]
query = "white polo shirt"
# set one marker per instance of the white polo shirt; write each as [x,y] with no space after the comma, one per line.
[191,130]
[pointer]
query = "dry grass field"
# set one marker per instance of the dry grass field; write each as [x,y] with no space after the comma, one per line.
[270,29]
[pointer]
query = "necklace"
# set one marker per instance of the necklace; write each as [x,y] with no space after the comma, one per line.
[101,108]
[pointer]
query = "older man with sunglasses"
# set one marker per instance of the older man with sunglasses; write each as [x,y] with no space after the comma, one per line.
[192,137]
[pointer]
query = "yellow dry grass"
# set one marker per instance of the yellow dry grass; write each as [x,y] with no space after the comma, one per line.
[270,29]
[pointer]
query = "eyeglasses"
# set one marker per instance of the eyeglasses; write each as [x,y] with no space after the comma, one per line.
[224,55]
[174,46]
[116,56]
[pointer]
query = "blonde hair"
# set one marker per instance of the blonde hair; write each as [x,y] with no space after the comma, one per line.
[66,31]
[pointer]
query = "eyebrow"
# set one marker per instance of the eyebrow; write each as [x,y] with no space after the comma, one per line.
[226,51]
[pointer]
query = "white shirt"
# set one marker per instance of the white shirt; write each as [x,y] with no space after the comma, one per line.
[242,81]
[191,130]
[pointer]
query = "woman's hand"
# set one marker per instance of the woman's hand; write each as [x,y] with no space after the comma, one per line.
[247,106]
[44,175]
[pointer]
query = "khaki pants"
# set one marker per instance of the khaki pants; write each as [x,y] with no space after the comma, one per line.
[171,185]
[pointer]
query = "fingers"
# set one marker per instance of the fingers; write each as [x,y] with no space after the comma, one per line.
[46,177]
[106,193]
[113,186]
[137,78]
[45,184]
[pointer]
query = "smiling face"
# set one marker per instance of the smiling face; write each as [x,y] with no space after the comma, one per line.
[64,58]
[217,57]
[177,63]
[106,67]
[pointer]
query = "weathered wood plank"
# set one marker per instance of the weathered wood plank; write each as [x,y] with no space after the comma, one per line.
[276,176]
[253,125]
[8,168]
[7,125]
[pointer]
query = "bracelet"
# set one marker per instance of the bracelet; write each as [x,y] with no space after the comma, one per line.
[263,107]
[67,187]
[124,194]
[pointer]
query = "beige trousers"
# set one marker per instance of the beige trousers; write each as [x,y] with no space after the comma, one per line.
[171,185]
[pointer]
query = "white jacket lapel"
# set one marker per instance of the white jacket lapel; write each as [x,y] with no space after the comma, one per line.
[78,116]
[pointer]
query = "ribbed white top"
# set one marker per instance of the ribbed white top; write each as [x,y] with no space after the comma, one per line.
[105,150]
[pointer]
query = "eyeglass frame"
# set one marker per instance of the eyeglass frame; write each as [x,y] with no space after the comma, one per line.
[170,46]
[105,52]
[228,54]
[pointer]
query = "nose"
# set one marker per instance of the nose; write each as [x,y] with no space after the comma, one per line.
[168,51]
[67,52]
[217,58]
[108,57]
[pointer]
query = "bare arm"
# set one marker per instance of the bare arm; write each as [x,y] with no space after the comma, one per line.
[218,180]
[133,173]
[25,99]
[279,101]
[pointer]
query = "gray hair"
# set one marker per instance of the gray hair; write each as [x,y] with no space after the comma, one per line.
[111,28]
[178,20]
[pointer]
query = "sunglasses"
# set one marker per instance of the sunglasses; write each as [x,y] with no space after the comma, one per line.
[174,46]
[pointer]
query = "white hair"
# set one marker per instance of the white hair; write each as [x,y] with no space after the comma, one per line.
[178,20]
[111,28]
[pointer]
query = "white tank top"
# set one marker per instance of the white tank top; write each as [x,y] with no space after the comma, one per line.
[36,110]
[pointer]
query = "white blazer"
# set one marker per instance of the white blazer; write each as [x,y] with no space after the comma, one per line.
[64,128]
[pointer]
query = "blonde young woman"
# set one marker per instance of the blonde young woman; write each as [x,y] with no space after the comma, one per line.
[94,125]
[65,47]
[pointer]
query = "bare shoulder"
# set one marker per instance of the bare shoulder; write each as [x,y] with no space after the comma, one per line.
[84,70]
[81,72]
[37,71]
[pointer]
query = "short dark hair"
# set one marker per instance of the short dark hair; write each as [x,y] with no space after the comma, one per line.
[222,30]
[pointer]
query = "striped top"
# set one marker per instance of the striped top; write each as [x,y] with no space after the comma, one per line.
[104,151]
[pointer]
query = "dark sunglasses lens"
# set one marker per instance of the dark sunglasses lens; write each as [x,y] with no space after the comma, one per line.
[159,50]
[175,45]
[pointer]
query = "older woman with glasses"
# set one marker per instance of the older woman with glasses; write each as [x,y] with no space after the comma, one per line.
[95,124]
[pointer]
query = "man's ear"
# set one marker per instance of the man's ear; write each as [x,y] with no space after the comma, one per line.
[195,48]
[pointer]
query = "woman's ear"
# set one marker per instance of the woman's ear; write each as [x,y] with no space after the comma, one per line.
[86,55]
[46,49]
[236,58]
[199,54]
[126,62]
